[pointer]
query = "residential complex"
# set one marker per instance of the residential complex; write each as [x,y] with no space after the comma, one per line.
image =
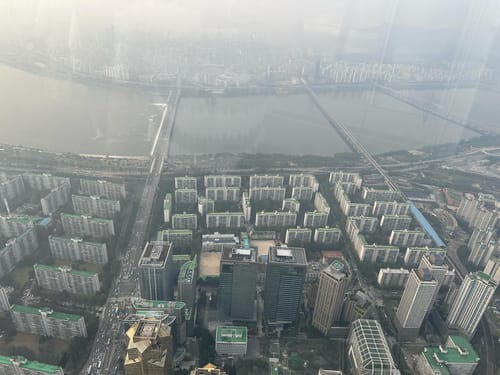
[231,340]
[334,282]
[16,249]
[185,221]
[46,322]
[267,193]
[186,196]
[178,237]
[83,225]
[395,222]
[21,366]
[222,181]
[105,189]
[315,219]
[186,183]
[471,302]
[302,193]
[225,220]
[257,181]
[205,206]
[95,206]
[370,195]
[65,278]
[383,208]
[416,301]
[78,250]
[290,204]
[155,271]
[275,219]
[298,236]
[237,284]
[231,194]
[285,277]
[392,277]
[57,197]
[167,208]
[327,235]
[407,238]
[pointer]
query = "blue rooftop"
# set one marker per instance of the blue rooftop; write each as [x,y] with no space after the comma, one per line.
[424,223]
[45,221]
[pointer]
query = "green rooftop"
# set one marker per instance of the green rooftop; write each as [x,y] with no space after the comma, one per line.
[181,258]
[482,275]
[459,352]
[231,334]
[45,267]
[30,365]
[53,314]
[187,269]
[68,238]
[93,218]
[148,304]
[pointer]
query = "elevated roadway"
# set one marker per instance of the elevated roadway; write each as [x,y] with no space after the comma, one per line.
[107,347]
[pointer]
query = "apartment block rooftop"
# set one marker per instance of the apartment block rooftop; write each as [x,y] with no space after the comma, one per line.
[30,365]
[44,311]
[63,269]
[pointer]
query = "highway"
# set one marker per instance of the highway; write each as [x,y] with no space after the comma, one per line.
[107,347]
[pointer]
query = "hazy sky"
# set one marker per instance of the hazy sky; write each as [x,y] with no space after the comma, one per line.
[261,18]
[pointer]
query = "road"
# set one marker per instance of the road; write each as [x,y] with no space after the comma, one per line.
[107,347]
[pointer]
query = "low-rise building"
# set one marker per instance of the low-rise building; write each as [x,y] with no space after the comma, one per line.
[47,322]
[231,340]
[275,219]
[218,241]
[83,225]
[95,206]
[64,278]
[185,221]
[225,220]
[21,366]
[327,235]
[392,277]
[78,250]
[298,236]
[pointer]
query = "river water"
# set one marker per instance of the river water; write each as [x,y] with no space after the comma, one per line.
[63,115]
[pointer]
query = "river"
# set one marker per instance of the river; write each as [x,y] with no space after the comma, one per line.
[71,116]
